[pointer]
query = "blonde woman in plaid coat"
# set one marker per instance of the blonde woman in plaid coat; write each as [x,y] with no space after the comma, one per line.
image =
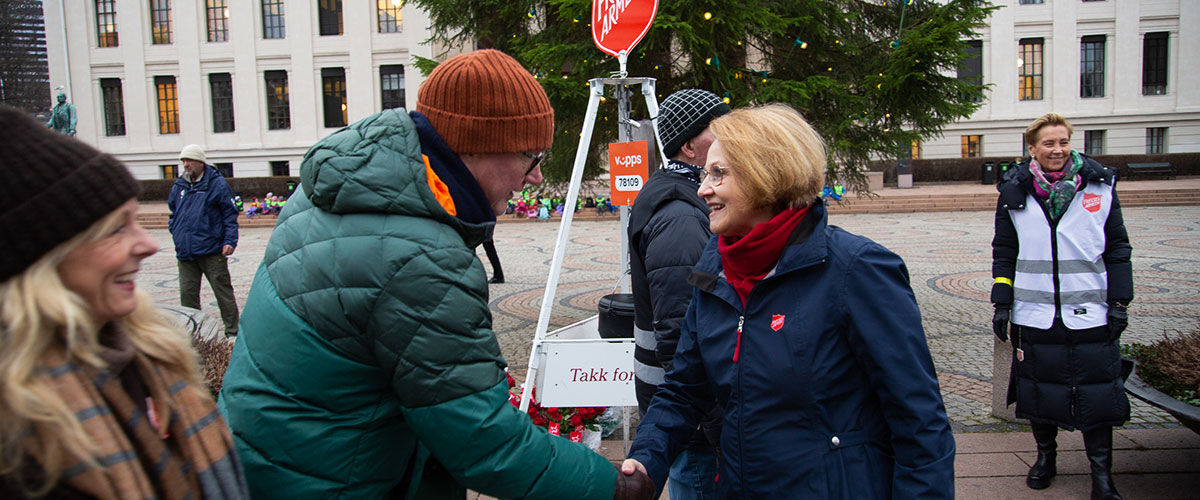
[99,396]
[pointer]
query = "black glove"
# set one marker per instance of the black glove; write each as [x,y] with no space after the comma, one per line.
[635,487]
[1000,323]
[1118,319]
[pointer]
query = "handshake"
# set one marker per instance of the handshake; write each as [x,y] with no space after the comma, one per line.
[633,483]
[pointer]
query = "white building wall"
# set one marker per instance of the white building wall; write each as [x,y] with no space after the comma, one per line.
[190,58]
[1123,113]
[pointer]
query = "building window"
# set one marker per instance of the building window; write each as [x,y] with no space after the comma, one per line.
[168,105]
[329,15]
[1030,84]
[169,171]
[222,101]
[389,15]
[218,20]
[333,86]
[226,169]
[391,81]
[1156,140]
[114,106]
[1154,63]
[106,23]
[272,13]
[1091,70]
[160,22]
[280,168]
[278,113]
[1093,142]
[970,68]
[1030,2]
[972,146]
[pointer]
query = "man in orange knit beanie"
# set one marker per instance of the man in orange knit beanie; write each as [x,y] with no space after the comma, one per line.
[366,366]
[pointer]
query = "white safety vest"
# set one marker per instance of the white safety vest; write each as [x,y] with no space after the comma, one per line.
[1082,291]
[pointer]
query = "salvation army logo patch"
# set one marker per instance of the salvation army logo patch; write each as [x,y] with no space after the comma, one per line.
[1091,202]
[776,322]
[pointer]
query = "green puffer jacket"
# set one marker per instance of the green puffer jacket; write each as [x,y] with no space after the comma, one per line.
[367,351]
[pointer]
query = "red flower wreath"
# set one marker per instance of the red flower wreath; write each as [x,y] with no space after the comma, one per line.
[566,422]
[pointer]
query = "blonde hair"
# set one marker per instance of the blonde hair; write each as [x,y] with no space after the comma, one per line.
[778,158]
[37,312]
[1046,120]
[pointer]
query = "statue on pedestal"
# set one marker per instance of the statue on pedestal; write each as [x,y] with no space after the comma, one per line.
[62,117]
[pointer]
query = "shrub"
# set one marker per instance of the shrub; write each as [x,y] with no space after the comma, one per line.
[246,187]
[214,359]
[968,169]
[1171,365]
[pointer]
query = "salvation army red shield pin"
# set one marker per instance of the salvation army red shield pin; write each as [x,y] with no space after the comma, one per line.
[776,321]
[1091,202]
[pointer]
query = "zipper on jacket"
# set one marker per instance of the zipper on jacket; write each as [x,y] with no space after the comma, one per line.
[1054,264]
[1071,406]
[738,347]
[741,409]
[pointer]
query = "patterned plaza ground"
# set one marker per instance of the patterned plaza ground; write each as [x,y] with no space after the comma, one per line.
[948,256]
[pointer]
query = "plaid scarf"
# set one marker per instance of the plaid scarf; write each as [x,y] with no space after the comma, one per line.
[1057,189]
[178,448]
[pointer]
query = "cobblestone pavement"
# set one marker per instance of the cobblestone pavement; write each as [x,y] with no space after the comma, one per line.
[948,256]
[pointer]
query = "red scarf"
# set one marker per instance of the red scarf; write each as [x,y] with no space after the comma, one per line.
[748,259]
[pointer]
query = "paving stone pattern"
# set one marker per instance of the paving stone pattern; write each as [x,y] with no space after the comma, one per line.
[948,256]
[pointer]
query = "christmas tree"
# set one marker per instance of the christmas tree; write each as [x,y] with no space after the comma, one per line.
[871,76]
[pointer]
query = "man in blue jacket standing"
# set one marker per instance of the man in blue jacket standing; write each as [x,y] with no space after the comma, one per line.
[668,230]
[205,229]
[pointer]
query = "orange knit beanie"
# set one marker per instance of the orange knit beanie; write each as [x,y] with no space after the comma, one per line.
[486,102]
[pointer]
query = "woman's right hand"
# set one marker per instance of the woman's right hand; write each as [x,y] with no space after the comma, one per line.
[633,483]
[1000,323]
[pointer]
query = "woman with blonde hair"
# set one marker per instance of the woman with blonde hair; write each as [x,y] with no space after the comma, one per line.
[100,397]
[1063,283]
[807,336]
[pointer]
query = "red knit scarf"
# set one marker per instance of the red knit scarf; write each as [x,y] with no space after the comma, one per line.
[748,259]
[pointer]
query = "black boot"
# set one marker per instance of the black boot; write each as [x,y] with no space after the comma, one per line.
[497,278]
[1098,443]
[1046,466]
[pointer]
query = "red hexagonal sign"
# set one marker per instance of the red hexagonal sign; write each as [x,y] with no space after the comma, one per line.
[620,24]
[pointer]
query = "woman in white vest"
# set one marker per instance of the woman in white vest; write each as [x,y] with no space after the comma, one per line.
[1060,259]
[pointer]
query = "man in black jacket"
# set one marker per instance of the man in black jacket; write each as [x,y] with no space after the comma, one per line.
[668,230]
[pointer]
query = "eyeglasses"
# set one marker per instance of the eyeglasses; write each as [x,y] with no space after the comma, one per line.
[537,158]
[715,175]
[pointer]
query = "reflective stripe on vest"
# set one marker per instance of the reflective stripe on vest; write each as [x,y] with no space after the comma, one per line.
[1082,275]
[654,375]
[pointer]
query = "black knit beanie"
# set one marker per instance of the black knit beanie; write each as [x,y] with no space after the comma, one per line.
[684,114]
[52,188]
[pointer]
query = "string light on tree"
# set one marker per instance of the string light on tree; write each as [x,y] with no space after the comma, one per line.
[532,12]
[900,31]
[800,43]
[707,16]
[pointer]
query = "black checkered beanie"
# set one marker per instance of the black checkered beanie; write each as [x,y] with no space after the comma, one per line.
[684,114]
[54,187]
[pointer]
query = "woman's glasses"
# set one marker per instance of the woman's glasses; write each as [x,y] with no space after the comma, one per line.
[714,175]
[536,159]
